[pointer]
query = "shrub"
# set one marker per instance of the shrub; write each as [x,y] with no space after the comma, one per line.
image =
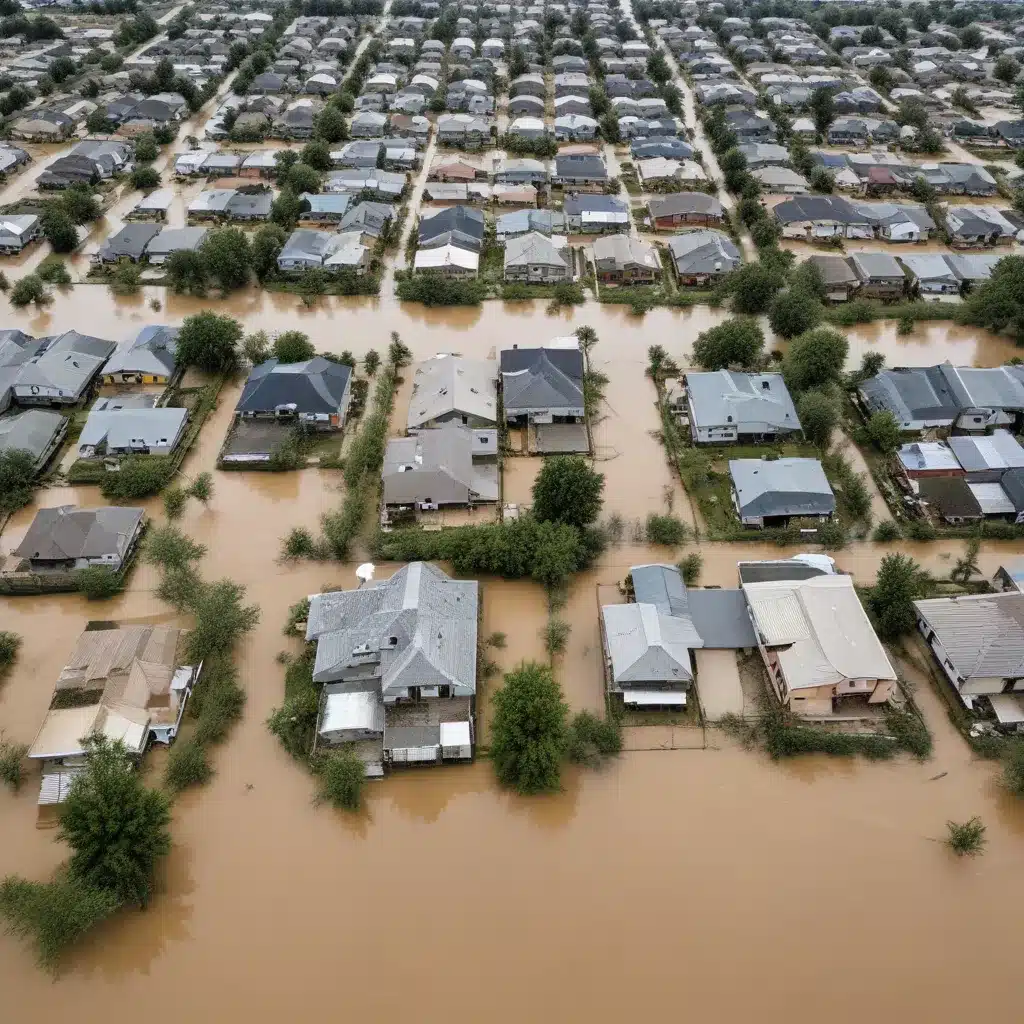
[497,640]
[140,476]
[187,765]
[665,529]
[905,325]
[1013,768]
[126,279]
[886,531]
[590,739]
[169,548]
[10,644]
[966,838]
[298,543]
[340,778]
[98,582]
[54,271]
[175,500]
[295,722]
[690,568]
[556,636]
[27,290]
[818,417]
[12,764]
[201,487]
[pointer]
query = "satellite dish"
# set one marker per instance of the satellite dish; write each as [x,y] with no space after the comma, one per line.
[365,572]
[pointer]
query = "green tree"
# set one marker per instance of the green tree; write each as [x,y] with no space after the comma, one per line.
[316,154]
[28,289]
[371,362]
[815,359]
[765,233]
[59,229]
[818,417]
[881,78]
[138,477]
[221,619]
[145,177]
[186,272]
[227,257]
[399,354]
[302,178]
[61,69]
[998,303]
[117,828]
[256,347]
[98,582]
[967,565]
[568,491]
[330,125]
[81,204]
[209,342]
[97,123]
[266,247]
[753,287]
[735,342]
[10,643]
[340,778]
[900,582]
[794,312]
[821,179]
[285,209]
[528,732]
[823,109]
[884,432]
[169,548]
[1005,69]
[293,347]
[146,148]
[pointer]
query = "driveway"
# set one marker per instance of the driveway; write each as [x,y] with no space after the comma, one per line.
[718,684]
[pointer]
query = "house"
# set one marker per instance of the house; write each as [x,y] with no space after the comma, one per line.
[411,642]
[522,222]
[818,645]
[314,394]
[703,256]
[155,206]
[448,260]
[147,359]
[580,170]
[979,226]
[327,210]
[595,214]
[649,643]
[984,459]
[542,385]
[124,683]
[370,219]
[880,276]
[39,432]
[575,125]
[306,249]
[838,277]
[764,154]
[452,389]
[951,498]
[66,537]
[625,259]
[172,240]
[457,225]
[127,244]
[535,258]
[930,274]
[781,180]
[684,208]
[919,398]
[131,425]
[815,217]
[978,640]
[60,370]
[770,493]
[17,231]
[449,465]
[43,126]
[724,406]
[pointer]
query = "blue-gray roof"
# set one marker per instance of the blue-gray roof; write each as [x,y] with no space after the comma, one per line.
[781,487]
[317,385]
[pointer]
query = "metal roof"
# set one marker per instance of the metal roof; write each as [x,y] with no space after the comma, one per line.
[660,585]
[31,430]
[782,487]
[67,532]
[452,384]
[317,385]
[721,619]
[723,397]
[645,645]
[982,634]
[351,710]
[928,455]
[1000,450]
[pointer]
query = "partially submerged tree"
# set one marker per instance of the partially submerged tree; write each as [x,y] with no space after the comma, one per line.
[568,491]
[293,347]
[815,359]
[735,342]
[967,565]
[818,417]
[900,582]
[209,342]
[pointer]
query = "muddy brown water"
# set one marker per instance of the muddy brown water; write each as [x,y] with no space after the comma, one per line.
[736,868]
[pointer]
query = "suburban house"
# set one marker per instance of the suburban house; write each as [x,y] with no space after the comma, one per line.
[625,259]
[703,257]
[880,276]
[542,385]
[979,227]
[922,459]
[580,171]
[51,371]
[455,225]
[535,258]
[307,249]
[818,645]
[449,260]
[978,640]
[131,425]
[725,406]
[676,209]
[171,240]
[127,244]
[313,394]
[595,214]
[452,389]
[930,274]
[18,231]
[950,498]
[67,537]
[449,465]
[648,643]
[36,431]
[125,683]
[147,359]
[985,458]
[837,275]
[772,492]
[411,642]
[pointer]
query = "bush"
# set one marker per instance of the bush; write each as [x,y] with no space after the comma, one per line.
[175,500]
[556,636]
[590,739]
[432,289]
[221,702]
[10,644]
[340,778]
[886,531]
[145,178]
[29,289]
[690,568]
[567,490]
[187,765]
[966,838]
[818,417]
[201,487]
[298,543]
[126,279]
[12,764]
[884,432]
[294,723]
[98,582]
[906,325]
[169,548]
[736,342]
[1013,768]
[54,271]
[140,476]
[665,529]
[899,583]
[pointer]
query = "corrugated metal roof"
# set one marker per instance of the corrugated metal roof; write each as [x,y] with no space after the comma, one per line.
[982,634]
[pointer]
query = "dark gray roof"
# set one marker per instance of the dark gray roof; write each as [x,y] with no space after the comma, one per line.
[542,378]
[152,351]
[574,205]
[453,224]
[581,165]
[660,585]
[684,202]
[783,569]
[782,487]
[721,618]
[703,252]
[401,736]
[1012,482]
[568,360]
[130,241]
[67,532]
[810,208]
[315,386]
[951,495]
[31,430]
[912,393]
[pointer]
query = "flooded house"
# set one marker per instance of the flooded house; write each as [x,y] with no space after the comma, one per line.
[55,371]
[40,432]
[821,653]
[131,424]
[725,406]
[397,660]
[542,389]
[68,537]
[453,389]
[771,492]
[149,358]
[702,257]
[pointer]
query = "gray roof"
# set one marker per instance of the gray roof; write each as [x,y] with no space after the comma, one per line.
[67,362]
[661,585]
[461,225]
[999,451]
[684,203]
[437,466]
[782,487]
[130,241]
[721,619]
[541,382]
[703,252]
[152,351]
[834,270]
[418,628]
[67,532]
[581,165]
[912,393]
[398,737]
[175,239]
[29,430]
[117,428]
[929,267]
[646,645]
[818,208]
[778,569]
[982,634]
[723,397]
[317,385]
[870,266]
[986,387]
[451,384]
[533,249]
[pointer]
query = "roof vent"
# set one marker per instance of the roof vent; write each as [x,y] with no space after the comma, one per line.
[766,385]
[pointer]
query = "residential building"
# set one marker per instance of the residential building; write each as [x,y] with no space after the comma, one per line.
[66,537]
[452,389]
[839,278]
[52,371]
[171,240]
[987,457]
[771,493]
[131,425]
[625,259]
[702,257]
[314,394]
[818,646]
[455,225]
[36,431]
[880,276]
[448,260]
[725,406]
[534,258]
[580,171]
[149,358]
[595,214]
[17,231]
[542,385]
[684,208]
[127,244]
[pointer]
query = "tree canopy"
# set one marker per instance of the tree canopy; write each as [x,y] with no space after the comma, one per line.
[568,491]
[753,287]
[998,303]
[293,347]
[736,342]
[209,342]
[818,417]
[227,257]
[900,582]
[883,431]
[17,471]
[528,731]
[794,312]
[815,359]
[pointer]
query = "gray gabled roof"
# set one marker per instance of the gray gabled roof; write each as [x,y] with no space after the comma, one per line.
[317,385]
[660,585]
[67,532]
[130,241]
[982,634]
[724,397]
[531,249]
[703,252]
[67,362]
[721,619]
[152,351]
[437,466]
[911,393]
[540,382]
[782,487]
[118,427]
[647,646]
[29,430]
[418,628]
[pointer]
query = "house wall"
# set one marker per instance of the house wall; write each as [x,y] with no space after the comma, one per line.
[126,377]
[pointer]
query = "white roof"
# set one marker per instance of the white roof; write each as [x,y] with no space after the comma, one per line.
[446,256]
[455,734]
[359,711]
[1009,707]
[992,499]
[642,697]
[449,383]
[822,628]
